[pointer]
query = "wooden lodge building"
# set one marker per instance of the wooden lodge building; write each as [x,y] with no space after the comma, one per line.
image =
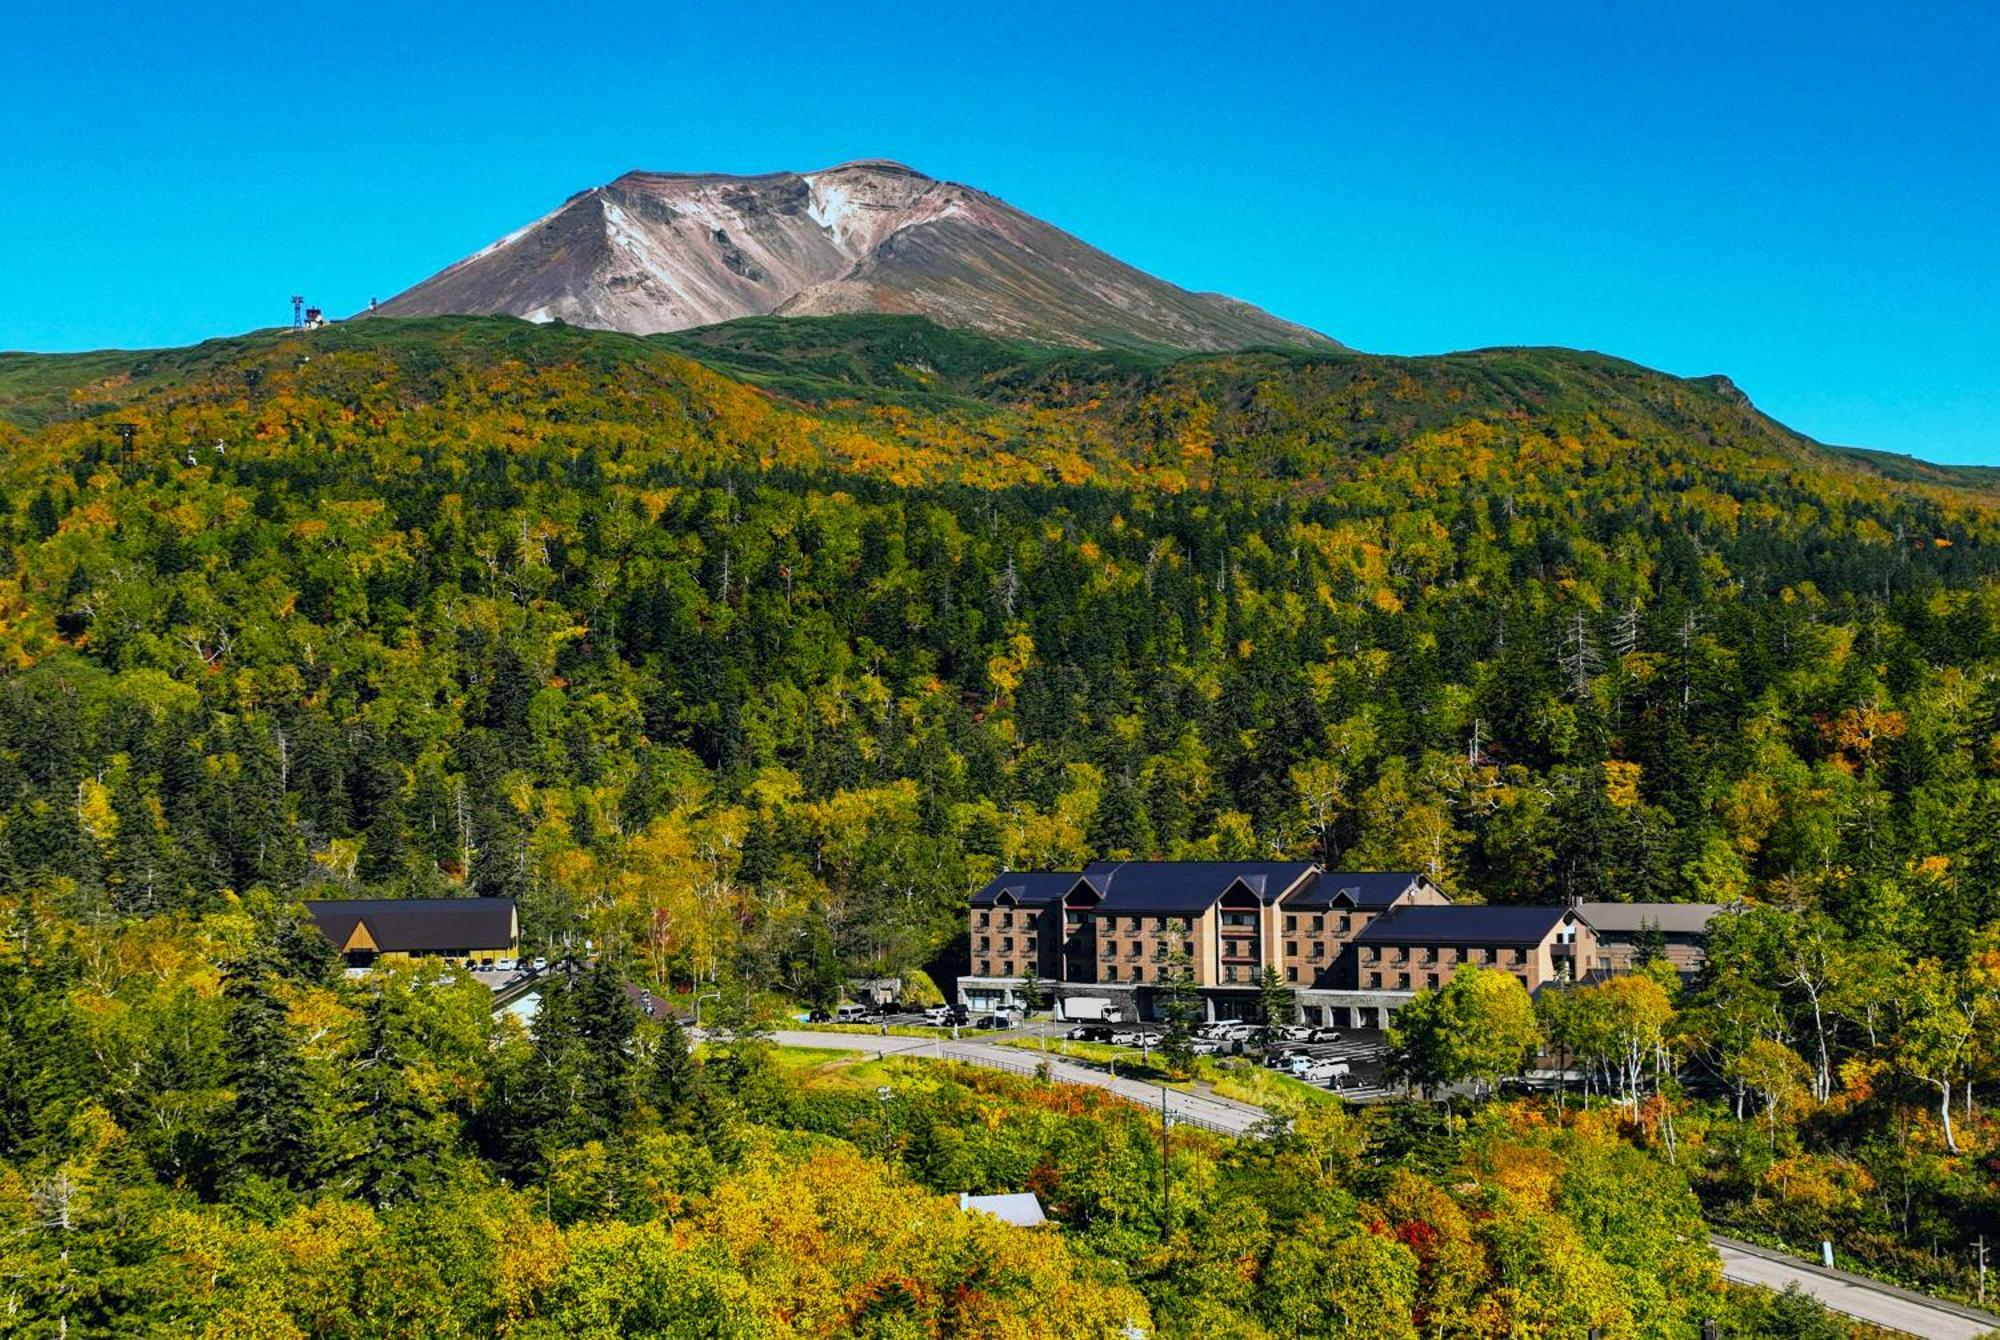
[1352,945]
[367,929]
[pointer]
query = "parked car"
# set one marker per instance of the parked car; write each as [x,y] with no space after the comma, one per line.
[1128,1037]
[1090,1033]
[1297,1032]
[819,1016]
[1324,1034]
[1285,1058]
[1204,1046]
[541,964]
[1321,1071]
[942,1016]
[994,1021]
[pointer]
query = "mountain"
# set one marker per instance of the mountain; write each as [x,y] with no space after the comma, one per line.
[656,251]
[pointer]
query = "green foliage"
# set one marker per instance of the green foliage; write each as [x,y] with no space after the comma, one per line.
[745,653]
[1479,1027]
[1180,1009]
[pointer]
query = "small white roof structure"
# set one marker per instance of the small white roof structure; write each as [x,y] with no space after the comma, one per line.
[1019,1208]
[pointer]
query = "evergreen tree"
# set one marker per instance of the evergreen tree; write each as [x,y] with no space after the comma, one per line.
[607,1025]
[268,1132]
[1180,1006]
[1276,1005]
[1649,943]
[674,1086]
[1033,996]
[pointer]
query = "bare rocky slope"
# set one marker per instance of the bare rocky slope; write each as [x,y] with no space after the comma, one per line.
[655,252]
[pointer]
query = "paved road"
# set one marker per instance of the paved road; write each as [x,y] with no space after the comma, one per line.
[1878,1304]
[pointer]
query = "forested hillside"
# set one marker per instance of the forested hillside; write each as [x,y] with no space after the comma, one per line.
[747,652]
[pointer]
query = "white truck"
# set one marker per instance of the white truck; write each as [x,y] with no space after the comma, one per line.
[1090,1009]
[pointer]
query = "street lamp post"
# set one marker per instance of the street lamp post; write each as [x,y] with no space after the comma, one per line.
[700,996]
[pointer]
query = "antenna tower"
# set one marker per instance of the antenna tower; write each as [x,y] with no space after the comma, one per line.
[298,312]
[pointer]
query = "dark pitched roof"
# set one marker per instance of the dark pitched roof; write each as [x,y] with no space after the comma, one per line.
[418,925]
[1188,887]
[1030,888]
[1671,918]
[1430,924]
[1373,889]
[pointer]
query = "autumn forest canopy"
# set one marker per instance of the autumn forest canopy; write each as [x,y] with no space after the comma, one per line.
[746,653]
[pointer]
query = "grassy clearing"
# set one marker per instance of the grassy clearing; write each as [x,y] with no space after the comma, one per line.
[1262,1087]
[875,1030]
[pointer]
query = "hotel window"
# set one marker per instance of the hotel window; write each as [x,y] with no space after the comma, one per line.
[1006,944]
[1007,967]
[1159,923]
[1291,974]
[1187,923]
[1006,920]
[1138,972]
[1318,950]
[1319,924]
[1111,972]
[985,918]
[1431,980]
[985,942]
[985,968]
[1375,981]
[1292,948]
[1291,924]
[1346,925]
[1027,944]
[1132,923]
[1229,973]
[1520,956]
[1187,947]
[1402,981]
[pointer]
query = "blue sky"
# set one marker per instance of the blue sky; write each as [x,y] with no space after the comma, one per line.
[1806,197]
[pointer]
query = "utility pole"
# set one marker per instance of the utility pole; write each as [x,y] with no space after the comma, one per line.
[1166,1172]
[1982,1270]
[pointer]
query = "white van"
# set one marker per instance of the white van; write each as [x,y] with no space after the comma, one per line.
[851,1014]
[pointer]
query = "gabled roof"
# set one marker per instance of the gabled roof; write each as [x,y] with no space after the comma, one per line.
[1371,890]
[1028,888]
[1430,924]
[1189,887]
[1671,918]
[416,925]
